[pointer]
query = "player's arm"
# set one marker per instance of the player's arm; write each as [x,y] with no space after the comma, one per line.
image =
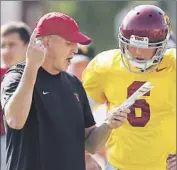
[97,135]
[93,82]
[93,79]
[17,89]
[16,96]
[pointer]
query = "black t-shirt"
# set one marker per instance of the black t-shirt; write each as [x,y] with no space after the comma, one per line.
[53,136]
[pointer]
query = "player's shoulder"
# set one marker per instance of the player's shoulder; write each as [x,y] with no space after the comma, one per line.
[170,53]
[15,71]
[18,68]
[169,58]
[105,60]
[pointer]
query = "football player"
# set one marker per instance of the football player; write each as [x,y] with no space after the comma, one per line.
[147,140]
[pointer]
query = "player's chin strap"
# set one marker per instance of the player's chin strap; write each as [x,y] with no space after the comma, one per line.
[133,65]
[138,70]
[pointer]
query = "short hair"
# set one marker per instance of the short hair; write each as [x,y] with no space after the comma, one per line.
[87,50]
[21,28]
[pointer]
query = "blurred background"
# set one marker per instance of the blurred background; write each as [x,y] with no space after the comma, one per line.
[98,19]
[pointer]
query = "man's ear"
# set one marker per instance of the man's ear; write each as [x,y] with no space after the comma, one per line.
[46,42]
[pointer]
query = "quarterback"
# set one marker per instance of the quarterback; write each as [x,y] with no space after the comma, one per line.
[147,140]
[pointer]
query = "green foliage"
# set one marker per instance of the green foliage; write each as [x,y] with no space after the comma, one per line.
[95,18]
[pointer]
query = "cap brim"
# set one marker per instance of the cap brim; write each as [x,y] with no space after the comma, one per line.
[80,38]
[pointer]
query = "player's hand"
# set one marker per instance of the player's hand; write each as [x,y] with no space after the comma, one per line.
[35,54]
[116,119]
[171,162]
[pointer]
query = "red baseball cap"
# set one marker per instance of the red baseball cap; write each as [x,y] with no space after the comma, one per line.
[56,23]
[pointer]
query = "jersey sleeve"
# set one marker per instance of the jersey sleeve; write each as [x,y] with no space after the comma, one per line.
[9,85]
[169,59]
[93,81]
